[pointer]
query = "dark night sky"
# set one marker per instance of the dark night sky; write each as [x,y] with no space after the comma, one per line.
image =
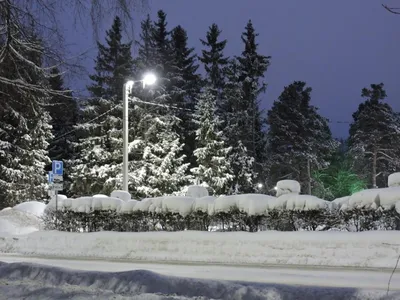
[337,47]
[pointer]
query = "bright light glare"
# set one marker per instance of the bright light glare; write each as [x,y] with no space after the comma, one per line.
[149,79]
[260,185]
[276,188]
[129,83]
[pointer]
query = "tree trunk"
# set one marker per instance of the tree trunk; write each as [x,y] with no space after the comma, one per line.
[309,176]
[374,157]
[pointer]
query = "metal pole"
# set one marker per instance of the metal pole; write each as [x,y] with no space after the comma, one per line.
[125,138]
[56,209]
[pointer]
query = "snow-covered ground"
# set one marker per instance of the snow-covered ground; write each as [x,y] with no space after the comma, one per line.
[24,218]
[32,281]
[360,279]
[375,249]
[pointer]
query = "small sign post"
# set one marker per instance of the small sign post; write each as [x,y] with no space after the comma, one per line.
[56,179]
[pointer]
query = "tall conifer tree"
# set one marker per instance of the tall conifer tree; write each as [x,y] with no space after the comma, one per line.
[24,122]
[98,168]
[299,139]
[214,61]
[213,163]
[252,68]
[375,137]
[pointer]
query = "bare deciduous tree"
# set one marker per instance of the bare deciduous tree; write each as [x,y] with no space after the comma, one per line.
[393,10]
[33,25]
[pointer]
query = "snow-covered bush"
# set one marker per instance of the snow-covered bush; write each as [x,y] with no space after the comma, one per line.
[366,210]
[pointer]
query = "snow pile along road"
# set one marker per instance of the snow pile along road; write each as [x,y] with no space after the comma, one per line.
[29,281]
[21,219]
[349,249]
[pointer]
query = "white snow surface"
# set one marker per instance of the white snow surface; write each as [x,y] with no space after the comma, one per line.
[15,222]
[372,198]
[252,204]
[377,249]
[123,195]
[365,199]
[394,180]
[339,202]
[178,204]
[205,204]
[33,281]
[197,191]
[33,207]
[287,187]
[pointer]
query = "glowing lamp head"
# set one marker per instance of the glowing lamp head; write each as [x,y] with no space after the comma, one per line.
[260,185]
[149,79]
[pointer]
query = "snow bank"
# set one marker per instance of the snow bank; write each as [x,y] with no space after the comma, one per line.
[365,249]
[33,281]
[33,207]
[16,221]
[394,180]
[287,186]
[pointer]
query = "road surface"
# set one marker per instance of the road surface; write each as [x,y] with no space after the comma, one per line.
[365,279]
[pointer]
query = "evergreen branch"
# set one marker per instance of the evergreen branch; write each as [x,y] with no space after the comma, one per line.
[88,122]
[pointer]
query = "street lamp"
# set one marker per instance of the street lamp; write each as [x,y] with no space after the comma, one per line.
[148,79]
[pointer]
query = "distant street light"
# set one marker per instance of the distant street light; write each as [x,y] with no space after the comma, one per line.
[260,185]
[148,79]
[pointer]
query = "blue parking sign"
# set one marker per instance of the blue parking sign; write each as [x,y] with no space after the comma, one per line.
[57,167]
[50,177]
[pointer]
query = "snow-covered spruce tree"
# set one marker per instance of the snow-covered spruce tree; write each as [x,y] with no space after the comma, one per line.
[375,137]
[235,117]
[158,164]
[64,113]
[213,163]
[24,122]
[214,61]
[252,68]
[98,166]
[162,170]
[299,139]
[186,84]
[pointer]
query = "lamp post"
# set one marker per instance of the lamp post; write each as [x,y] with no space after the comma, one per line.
[148,79]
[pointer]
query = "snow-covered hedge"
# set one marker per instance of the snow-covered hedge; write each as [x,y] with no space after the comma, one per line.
[252,204]
[251,212]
